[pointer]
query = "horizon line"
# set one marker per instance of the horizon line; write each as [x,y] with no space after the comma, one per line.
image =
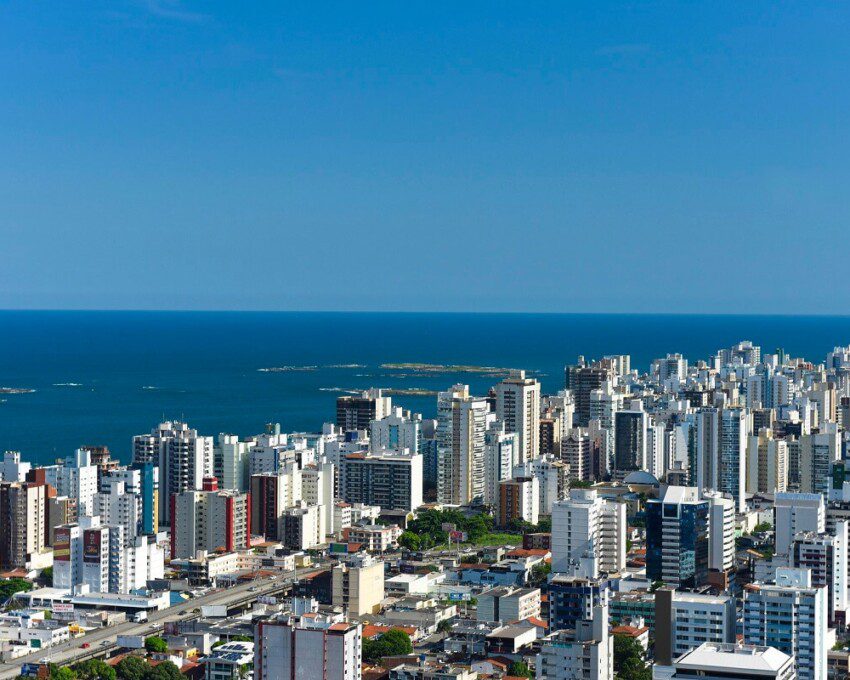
[113,310]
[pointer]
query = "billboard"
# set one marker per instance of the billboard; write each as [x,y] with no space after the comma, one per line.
[91,546]
[62,608]
[459,536]
[266,599]
[62,545]
[338,548]
[30,670]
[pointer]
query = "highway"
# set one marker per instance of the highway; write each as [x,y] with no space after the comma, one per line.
[104,639]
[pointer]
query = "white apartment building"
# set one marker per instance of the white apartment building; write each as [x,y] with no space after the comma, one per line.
[587,653]
[817,453]
[184,459]
[796,512]
[209,519]
[461,425]
[300,526]
[500,450]
[825,555]
[397,431]
[507,604]
[721,532]
[230,461]
[767,463]
[317,488]
[584,526]
[792,617]
[518,407]
[686,620]
[77,478]
[553,479]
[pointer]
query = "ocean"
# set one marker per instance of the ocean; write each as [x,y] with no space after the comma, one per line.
[100,377]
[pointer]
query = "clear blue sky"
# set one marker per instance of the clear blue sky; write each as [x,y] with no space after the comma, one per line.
[525,156]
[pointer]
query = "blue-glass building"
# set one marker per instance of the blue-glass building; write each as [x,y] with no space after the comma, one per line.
[677,538]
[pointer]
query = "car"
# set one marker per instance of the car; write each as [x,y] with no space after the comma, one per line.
[252,589]
[85,645]
[105,642]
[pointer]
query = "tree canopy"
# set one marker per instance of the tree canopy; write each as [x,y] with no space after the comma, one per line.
[154,643]
[394,642]
[629,661]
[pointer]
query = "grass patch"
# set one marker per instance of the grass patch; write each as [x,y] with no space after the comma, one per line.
[496,539]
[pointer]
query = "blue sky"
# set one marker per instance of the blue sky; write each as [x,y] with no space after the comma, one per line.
[564,156]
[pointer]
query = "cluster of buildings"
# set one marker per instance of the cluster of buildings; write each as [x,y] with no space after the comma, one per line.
[698,509]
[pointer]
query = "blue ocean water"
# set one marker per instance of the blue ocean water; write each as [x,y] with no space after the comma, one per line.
[101,377]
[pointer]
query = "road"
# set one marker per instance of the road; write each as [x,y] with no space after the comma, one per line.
[104,639]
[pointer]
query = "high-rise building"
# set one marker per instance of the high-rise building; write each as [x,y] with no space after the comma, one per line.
[577,451]
[734,429]
[461,426]
[581,380]
[499,456]
[397,431]
[301,526]
[685,620]
[817,453]
[390,479]
[673,366]
[573,598]
[13,469]
[356,412]
[358,585]
[78,478]
[553,477]
[98,556]
[519,499]
[630,440]
[184,459]
[705,461]
[209,519]
[588,534]
[721,547]
[307,648]
[518,407]
[583,653]
[230,461]
[767,463]
[117,507]
[677,538]
[23,525]
[790,615]
[793,513]
[825,556]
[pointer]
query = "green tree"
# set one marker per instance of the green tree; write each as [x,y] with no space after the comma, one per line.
[539,572]
[545,524]
[94,669]
[9,587]
[520,669]
[165,671]
[410,541]
[445,626]
[47,574]
[394,642]
[763,526]
[154,643]
[579,484]
[132,668]
[61,673]
[629,661]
